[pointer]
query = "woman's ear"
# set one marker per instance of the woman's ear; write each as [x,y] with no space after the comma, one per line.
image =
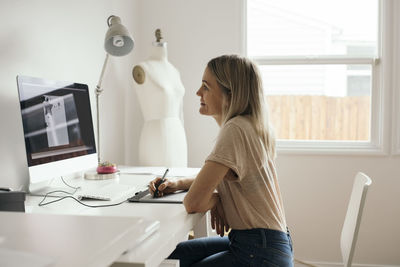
[229,95]
[227,99]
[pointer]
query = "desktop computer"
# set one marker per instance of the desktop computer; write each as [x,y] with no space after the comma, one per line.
[59,141]
[58,130]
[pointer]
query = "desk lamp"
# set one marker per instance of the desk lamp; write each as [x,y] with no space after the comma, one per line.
[118,42]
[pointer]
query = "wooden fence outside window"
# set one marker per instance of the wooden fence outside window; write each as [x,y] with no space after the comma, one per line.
[306,117]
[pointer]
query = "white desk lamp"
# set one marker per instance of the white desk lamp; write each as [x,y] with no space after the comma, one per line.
[118,42]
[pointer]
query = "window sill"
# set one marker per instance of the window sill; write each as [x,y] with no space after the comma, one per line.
[285,147]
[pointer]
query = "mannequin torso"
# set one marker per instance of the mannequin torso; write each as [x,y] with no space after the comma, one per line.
[160,93]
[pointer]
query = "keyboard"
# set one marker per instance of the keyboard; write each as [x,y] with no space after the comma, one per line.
[110,192]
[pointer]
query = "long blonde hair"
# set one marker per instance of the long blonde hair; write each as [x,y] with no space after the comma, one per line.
[241,83]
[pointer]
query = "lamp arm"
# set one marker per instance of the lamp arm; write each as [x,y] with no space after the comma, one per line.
[98,91]
[98,87]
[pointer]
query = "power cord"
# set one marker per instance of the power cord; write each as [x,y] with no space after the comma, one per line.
[77,200]
[41,204]
[76,188]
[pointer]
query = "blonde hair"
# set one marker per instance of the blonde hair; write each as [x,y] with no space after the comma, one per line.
[241,83]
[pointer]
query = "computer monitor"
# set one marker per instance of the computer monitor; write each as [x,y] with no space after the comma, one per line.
[58,129]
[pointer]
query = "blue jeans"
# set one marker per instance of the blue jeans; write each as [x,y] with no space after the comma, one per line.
[254,247]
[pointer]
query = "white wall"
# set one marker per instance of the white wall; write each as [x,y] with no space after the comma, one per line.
[60,40]
[40,39]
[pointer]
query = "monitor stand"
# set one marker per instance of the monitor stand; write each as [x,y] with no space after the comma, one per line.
[56,187]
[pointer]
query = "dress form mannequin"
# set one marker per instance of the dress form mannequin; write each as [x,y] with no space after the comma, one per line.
[160,93]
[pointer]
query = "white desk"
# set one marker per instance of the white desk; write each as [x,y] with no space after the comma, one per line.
[175,223]
[70,240]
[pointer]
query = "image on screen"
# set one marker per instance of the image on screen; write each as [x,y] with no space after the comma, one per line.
[56,118]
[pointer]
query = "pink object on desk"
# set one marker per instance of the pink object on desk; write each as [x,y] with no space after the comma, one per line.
[105,168]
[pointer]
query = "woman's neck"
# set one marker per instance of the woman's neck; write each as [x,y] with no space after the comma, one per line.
[218,119]
[159,51]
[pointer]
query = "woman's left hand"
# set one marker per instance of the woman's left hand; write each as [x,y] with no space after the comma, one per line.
[218,220]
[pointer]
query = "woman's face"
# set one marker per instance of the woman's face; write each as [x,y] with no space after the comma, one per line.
[211,96]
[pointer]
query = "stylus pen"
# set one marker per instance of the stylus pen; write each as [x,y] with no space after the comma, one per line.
[160,182]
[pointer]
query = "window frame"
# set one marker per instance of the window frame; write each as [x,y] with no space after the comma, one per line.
[396,81]
[379,66]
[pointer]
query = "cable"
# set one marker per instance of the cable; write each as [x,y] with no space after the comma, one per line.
[76,188]
[77,200]
[41,204]
[55,191]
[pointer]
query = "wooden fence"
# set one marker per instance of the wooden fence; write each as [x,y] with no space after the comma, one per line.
[305,117]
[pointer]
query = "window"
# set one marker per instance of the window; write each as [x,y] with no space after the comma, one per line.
[320,63]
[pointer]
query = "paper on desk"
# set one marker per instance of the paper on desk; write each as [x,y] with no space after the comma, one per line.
[143,170]
[183,172]
[173,172]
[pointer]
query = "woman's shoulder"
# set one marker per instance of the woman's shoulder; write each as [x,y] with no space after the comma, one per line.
[241,122]
[240,126]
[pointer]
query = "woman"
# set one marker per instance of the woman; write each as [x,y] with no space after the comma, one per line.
[238,182]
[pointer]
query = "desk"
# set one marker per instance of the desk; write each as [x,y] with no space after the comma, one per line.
[175,223]
[70,240]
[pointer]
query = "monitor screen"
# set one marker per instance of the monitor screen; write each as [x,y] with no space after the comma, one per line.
[57,125]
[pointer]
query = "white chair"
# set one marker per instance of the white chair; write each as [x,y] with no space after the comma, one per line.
[351,225]
[348,238]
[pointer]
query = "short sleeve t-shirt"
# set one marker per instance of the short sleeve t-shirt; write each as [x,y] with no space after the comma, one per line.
[250,193]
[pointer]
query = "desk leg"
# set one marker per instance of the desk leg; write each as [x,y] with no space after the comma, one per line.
[203,227]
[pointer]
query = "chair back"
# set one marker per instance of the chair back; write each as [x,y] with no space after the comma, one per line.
[352,220]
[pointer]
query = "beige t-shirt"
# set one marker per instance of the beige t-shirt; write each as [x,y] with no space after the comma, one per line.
[252,199]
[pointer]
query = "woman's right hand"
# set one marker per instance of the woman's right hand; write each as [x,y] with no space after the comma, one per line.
[218,219]
[167,187]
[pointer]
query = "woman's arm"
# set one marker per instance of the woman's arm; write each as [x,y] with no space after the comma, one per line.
[201,197]
[184,183]
[170,186]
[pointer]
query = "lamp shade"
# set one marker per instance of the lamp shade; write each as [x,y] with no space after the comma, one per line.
[118,41]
